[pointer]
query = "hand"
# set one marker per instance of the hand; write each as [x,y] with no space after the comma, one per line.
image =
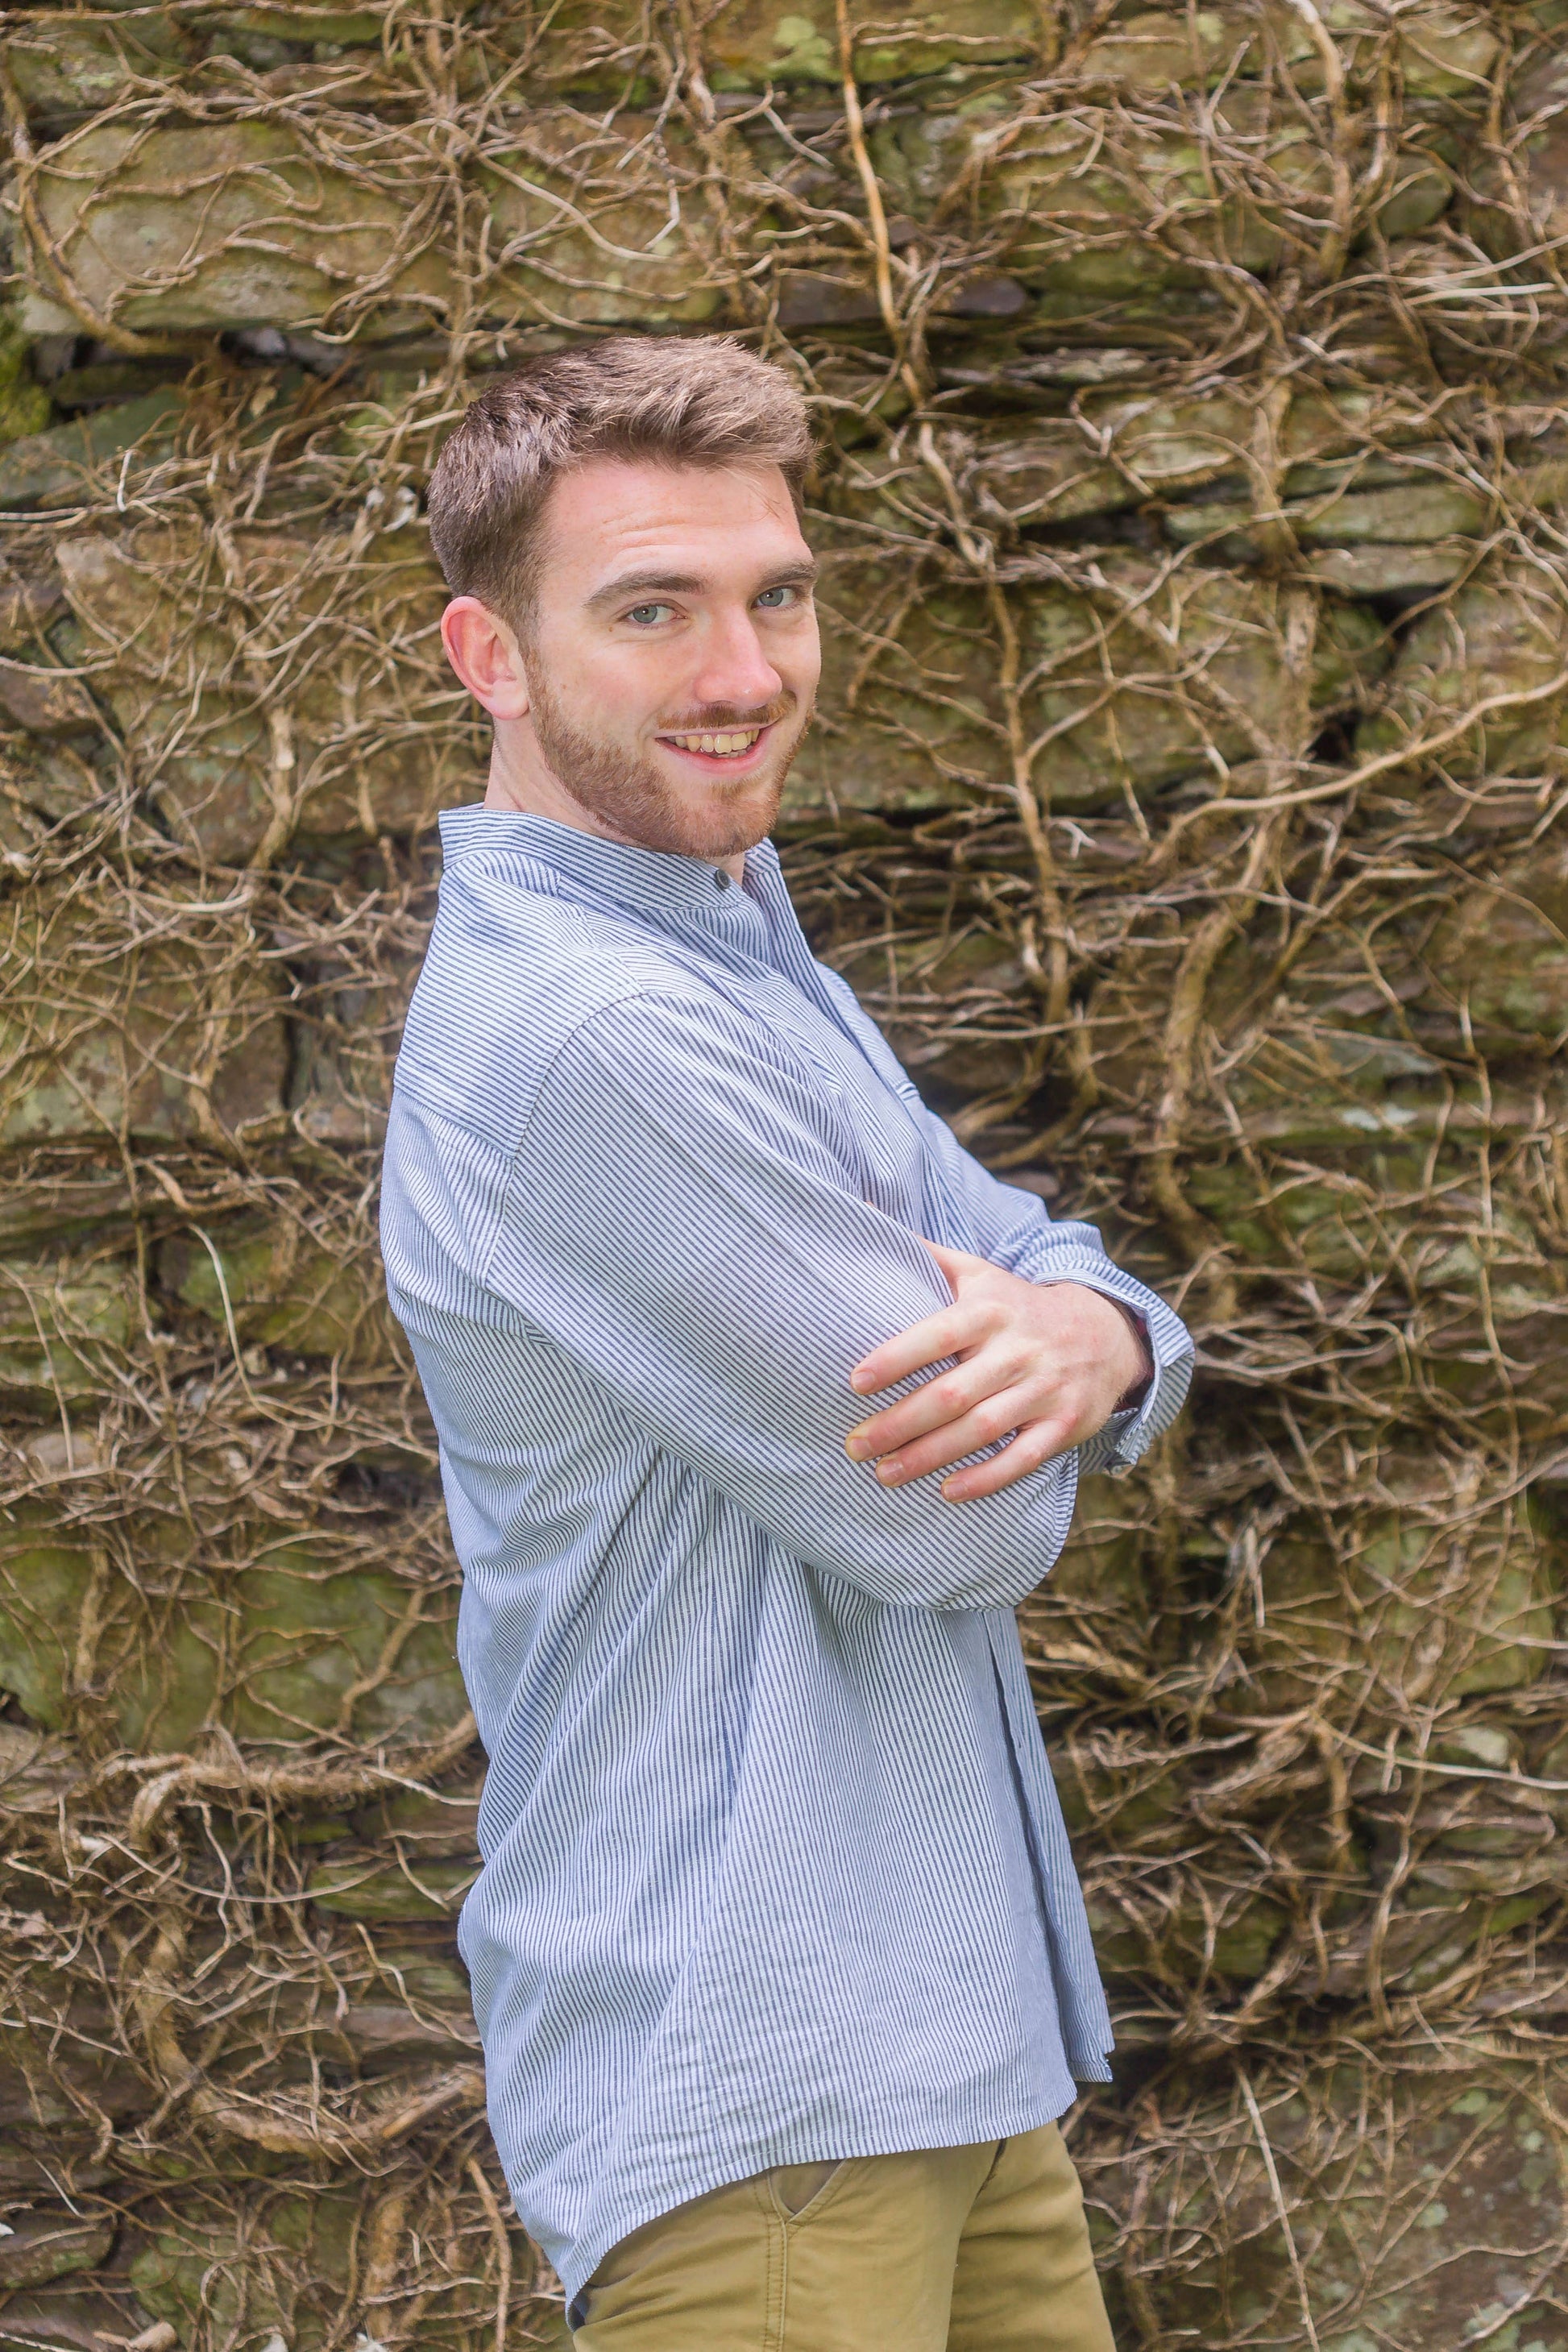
[1050,1364]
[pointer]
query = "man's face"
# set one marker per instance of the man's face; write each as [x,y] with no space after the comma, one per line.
[672,655]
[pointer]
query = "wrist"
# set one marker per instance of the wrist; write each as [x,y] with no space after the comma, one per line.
[1138,1386]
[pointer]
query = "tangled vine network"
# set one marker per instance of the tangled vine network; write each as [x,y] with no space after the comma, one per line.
[1188,802]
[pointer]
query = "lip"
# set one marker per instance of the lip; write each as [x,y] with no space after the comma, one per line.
[716,763]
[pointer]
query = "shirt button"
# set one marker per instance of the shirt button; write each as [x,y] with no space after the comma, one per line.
[721,881]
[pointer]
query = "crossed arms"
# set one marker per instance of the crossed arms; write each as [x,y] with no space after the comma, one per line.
[682,1222]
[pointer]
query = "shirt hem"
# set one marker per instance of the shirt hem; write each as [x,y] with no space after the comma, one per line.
[744,2160]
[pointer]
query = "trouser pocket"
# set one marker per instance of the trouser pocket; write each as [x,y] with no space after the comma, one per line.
[797,2188]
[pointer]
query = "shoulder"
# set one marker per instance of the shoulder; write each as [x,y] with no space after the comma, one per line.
[524,992]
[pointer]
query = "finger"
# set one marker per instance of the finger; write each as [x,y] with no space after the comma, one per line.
[954,1264]
[997,1416]
[997,1363]
[934,1404]
[946,1333]
[1042,1441]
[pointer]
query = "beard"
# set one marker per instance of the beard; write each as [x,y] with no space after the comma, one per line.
[627,792]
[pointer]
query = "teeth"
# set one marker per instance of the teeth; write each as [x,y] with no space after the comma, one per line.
[719,744]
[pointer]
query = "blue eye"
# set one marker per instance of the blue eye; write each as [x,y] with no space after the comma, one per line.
[648,615]
[776,600]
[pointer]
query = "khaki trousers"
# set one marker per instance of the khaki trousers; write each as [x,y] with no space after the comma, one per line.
[950,2250]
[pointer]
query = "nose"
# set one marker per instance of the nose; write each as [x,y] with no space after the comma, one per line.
[733,667]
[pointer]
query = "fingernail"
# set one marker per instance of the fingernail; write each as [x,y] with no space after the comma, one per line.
[857,1382]
[857,1448]
[890,1473]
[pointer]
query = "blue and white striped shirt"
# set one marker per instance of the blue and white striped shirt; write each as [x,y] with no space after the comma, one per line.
[774,1866]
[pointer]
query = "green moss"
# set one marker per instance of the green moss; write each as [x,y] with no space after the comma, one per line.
[363,1886]
[1430,1604]
[281,1287]
[238,2271]
[61,1332]
[283,1647]
[750,43]
[24,405]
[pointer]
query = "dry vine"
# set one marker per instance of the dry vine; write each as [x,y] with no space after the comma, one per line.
[1188,803]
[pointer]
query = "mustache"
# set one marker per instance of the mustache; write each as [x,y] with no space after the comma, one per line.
[714,718]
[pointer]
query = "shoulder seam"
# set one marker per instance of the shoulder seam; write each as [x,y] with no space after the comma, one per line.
[411,1087]
[694,995]
[409,1091]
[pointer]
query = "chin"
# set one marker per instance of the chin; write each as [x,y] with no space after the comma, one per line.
[735,830]
[724,824]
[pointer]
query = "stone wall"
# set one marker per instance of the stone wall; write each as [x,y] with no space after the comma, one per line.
[1187,803]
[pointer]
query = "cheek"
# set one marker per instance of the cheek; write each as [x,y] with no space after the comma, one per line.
[800,659]
[617,689]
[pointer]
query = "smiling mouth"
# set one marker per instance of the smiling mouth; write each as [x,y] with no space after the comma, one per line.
[723,743]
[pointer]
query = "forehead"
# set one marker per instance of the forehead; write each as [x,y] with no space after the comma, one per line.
[614,514]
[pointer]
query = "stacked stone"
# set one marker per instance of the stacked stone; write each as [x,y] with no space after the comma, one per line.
[1187,803]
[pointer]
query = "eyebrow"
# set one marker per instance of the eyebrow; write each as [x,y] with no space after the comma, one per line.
[635,584]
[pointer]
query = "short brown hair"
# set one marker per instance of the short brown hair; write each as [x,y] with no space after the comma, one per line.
[677,401]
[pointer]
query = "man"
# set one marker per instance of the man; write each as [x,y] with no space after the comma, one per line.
[760,1405]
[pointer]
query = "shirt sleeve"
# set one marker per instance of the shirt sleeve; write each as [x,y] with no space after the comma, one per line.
[685,1219]
[1016,1231]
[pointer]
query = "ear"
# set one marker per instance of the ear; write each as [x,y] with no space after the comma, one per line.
[485,653]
